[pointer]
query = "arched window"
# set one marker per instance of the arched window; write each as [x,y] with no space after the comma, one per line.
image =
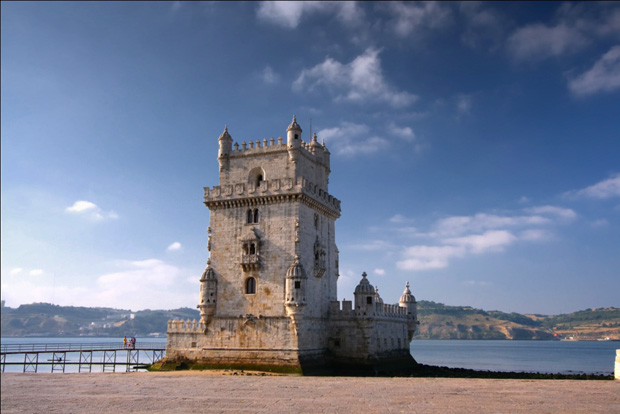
[255,215]
[252,248]
[259,179]
[250,217]
[250,286]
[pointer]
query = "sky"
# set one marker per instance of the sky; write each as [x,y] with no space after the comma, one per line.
[475,146]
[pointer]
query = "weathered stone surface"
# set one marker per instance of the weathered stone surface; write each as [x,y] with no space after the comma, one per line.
[269,293]
[189,392]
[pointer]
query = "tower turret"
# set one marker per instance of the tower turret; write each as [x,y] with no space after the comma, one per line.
[407,300]
[208,294]
[293,139]
[225,142]
[364,297]
[295,288]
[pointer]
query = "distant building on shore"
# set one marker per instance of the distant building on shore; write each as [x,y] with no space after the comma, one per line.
[268,295]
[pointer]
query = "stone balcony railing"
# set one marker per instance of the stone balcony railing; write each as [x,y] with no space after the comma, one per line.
[278,186]
[181,326]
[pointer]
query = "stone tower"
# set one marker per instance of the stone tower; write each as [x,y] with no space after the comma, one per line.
[268,295]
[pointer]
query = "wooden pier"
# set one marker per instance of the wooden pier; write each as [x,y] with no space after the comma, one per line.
[59,356]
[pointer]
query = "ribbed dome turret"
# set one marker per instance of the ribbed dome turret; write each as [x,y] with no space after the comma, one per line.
[225,135]
[208,274]
[364,286]
[407,297]
[296,270]
[294,125]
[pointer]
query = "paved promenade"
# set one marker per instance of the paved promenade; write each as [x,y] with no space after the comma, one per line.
[201,392]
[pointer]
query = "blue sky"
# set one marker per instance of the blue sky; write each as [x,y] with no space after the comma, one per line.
[475,146]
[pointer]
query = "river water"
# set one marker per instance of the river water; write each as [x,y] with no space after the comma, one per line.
[565,357]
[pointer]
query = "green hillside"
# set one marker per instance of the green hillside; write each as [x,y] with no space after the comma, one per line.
[44,319]
[437,321]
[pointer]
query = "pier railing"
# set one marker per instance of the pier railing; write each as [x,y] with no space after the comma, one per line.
[82,356]
[103,346]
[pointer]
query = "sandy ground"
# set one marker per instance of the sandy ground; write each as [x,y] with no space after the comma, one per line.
[200,392]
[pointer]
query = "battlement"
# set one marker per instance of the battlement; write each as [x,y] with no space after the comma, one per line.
[181,326]
[256,148]
[381,310]
[275,187]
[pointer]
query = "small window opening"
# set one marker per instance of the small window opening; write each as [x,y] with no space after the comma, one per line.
[250,286]
[259,180]
[252,248]
[250,216]
[256,215]
[369,300]
[297,285]
[316,221]
[296,136]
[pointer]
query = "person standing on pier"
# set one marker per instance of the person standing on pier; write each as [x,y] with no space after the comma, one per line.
[125,342]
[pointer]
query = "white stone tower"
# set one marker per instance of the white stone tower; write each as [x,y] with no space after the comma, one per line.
[268,297]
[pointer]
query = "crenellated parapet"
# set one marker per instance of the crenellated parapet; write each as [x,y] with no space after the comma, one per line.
[313,151]
[187,326]
[344,310]
[270,190]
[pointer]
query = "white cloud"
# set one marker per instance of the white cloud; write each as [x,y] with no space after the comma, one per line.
[405,133]
[534,235]
[174,247]
[457,225]
[608,188]
[604,76]
[36,272]
[483,25]
[359,81]
[380,272]
[288,14]
[139,284]
[16,271]
[462,236]
[414,17]
[352,139]
[492,240]
[537,41]
[565,213]
[429,257]
[90,210]
[400,219]
[269,76]
[82,206]
[600,223]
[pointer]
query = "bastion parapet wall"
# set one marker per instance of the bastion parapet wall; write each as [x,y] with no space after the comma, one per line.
[271,188]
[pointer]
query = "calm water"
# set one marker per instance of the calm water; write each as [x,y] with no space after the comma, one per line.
[588,357]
